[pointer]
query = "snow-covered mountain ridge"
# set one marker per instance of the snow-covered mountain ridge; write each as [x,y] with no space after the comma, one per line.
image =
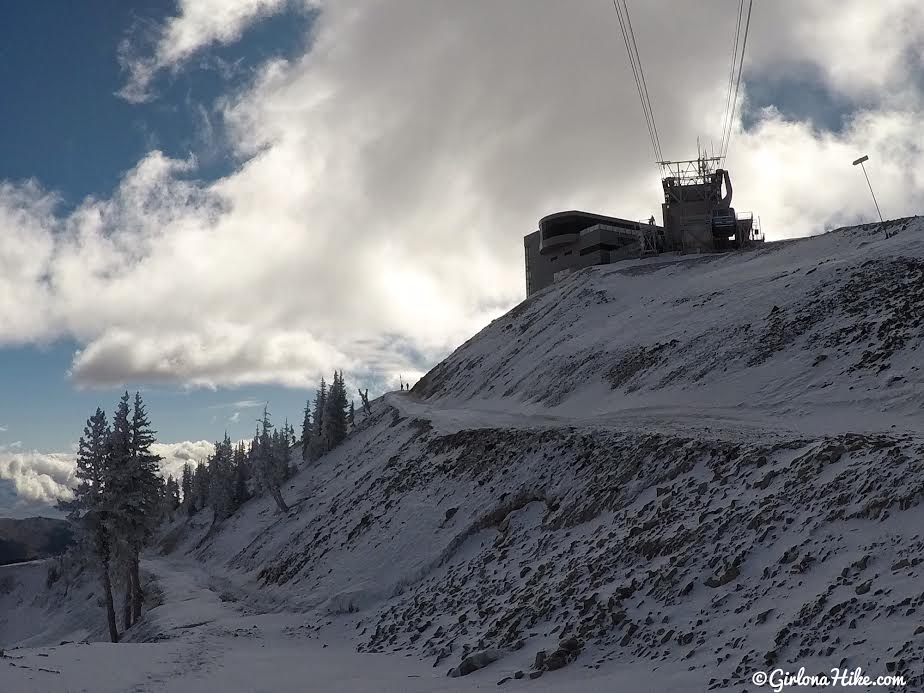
[669,472]
[681,461]
[830,322]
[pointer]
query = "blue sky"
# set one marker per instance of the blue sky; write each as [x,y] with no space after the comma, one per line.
[217,201]
[63,123]
[65,126]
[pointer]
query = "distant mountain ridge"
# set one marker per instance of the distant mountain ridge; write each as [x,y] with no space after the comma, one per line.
[32,538]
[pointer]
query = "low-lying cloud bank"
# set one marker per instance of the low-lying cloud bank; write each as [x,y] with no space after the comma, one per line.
[40,479]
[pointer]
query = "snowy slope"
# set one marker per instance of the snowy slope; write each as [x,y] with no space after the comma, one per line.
[681,469]
[820,332]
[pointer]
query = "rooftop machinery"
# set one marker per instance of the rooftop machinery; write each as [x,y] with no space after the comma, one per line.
[697,214]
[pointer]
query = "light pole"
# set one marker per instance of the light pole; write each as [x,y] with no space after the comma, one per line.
[860,161]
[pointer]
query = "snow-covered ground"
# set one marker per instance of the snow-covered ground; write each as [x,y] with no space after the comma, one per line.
[207,637]
[665,475]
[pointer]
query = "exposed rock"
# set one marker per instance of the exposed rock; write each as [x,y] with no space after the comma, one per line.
[724,578]
[474,662]
[558,660]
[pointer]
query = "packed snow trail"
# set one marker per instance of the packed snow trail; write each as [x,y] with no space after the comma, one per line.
[201,641]
[739,422]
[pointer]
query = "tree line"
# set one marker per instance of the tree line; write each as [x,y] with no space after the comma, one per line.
[326,421]
[223,481]
[121,498]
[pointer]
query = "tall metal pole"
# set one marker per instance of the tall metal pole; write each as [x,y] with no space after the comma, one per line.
[861,161]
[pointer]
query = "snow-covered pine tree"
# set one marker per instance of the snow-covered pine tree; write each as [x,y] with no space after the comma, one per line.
[145,466]
[124,497]
[268,462]
[137,493]
[351,417]
[90,508]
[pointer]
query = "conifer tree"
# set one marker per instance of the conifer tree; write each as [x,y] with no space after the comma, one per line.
[335,415]
[316,447]
[351,417]
[284,453]
[171,497]
[188,502]
[221,479]
[306,431]
[90,509]
[123,497]
[269,462]
[241,474]
[137,489]
[146,482]
[201,486]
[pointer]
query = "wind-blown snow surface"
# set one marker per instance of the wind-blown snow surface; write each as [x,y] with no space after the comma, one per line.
[695,467]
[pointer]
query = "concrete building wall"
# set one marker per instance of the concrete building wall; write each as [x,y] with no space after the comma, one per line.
[569,241]
[538,272]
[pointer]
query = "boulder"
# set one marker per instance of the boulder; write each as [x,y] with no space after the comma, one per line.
[557,660]
[723,579]
[474,662]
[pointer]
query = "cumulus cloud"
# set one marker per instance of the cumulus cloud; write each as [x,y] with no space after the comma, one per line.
[175,456]
[38,477]
[387,178]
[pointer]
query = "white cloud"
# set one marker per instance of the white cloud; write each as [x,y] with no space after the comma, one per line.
[178,455]
[43,478]
[38,477]
[241,404]
[390,174]
[197,24]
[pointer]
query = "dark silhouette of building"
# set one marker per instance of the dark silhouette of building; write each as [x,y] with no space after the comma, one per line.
[698,218]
